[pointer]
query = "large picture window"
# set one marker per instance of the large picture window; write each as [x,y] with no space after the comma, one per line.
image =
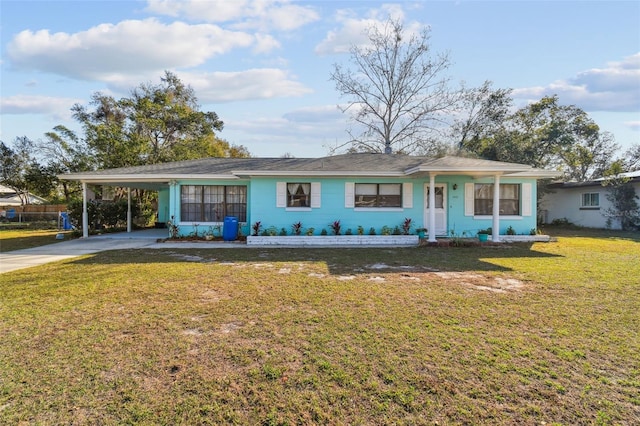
[378,195]
[211,203]
[509,199]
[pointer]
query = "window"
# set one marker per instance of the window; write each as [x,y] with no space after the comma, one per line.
[591,200]
[378,195]
[298,194]
[211,203]
[439,196]
[509,199]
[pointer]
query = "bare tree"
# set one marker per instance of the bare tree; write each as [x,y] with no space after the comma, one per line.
[397,91]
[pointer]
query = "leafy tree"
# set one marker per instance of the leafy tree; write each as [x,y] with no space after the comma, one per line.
[589,157]
[546,134]
[396,90]
[632,156]
[62,151]
[485,111]
[623,198]
[157,123]
[14,166]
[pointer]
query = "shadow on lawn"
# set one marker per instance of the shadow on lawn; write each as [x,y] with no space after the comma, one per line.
[337,260]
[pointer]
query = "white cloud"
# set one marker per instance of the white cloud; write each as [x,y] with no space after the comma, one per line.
[57,108]
[353,29]
[133,46]
[305,132]
[264,15]
[316,114]
[615,87]
[633,125]
[264,83]
[265,43]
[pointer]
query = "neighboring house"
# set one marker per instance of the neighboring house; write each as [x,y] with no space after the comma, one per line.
[582,203]
[368,190]
[9,197]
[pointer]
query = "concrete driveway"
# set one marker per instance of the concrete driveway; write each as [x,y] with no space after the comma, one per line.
[146,239]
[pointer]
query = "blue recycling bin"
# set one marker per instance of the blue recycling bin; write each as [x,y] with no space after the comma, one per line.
[66,224]
[230,228]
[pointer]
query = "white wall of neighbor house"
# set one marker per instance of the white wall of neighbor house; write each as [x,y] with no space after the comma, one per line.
[576,205]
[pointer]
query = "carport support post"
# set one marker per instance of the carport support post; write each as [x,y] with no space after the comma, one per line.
[432,210]
[128,209]
[495,226]
[85,215]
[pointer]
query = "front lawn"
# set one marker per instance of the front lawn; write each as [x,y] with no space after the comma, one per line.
[516,334]
[17,239]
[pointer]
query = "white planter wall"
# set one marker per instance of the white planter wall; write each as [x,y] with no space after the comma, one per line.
[335,240]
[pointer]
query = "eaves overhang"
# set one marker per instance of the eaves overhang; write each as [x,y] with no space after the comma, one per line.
[314,173]
[148,178]
[481,171]
[537,173]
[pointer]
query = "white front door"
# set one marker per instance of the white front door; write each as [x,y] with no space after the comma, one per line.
[440,207]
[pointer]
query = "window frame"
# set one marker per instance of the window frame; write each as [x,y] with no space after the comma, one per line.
[590,206]
[291,198]
[502,201]
[377,197]
[240,204]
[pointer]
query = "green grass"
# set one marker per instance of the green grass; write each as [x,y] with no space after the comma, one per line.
[17,239]
[518,334]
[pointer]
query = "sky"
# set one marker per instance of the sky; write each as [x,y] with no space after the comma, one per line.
[264,65]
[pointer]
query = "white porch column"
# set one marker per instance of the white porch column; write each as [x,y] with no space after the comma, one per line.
[128,209]
[496,209]
[85,214]
[432,210]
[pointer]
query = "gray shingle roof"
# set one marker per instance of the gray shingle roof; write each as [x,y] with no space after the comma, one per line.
[347,164]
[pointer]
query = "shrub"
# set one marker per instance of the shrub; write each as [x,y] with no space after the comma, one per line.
[406,226]
[256,228]
[296,228]
[335,227]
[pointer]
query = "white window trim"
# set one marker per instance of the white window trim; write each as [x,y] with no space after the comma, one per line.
[526,201]
[378,209]
[350,199]
[298,209]
[585,207]
[487,217]
[315,197]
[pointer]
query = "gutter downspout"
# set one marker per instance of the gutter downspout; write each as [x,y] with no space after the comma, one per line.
[495,226]
[432,210]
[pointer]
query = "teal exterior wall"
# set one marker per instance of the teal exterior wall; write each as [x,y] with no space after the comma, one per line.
[332,208]
[163,205]
[186,228]
[262,206]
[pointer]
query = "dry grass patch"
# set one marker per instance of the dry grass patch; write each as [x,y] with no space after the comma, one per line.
[524,334]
